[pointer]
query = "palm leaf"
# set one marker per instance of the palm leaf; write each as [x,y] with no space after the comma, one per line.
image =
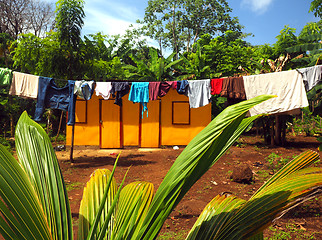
[233,218]
[304,47]
[312,37]
[22,216]
[93,195]
[299,162]
[134,201]
[38,159]
[200,154]
[214,217]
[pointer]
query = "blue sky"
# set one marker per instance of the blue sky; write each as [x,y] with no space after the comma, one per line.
[263,18]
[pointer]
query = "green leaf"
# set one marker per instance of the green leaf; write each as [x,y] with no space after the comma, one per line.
[93,196]
[22,215]
[200,154]
[134,201]
[39,161]
[214,217]
[289,187]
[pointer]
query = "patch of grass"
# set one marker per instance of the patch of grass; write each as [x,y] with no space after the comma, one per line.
[262,175]
[173,235]
[291,231]
[9,144]
[276,161]
[71,186]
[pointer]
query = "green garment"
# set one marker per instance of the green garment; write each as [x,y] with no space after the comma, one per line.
[5,76]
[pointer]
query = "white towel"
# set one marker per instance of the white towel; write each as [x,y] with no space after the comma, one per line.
[103,89]
[24,85]
[288,86]
[199,93]
[311,76]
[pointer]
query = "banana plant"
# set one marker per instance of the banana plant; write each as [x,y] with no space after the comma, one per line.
[310,46]
[34,202]
[195,65]
[156,69]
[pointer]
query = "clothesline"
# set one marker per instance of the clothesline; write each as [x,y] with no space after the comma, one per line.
[289,86]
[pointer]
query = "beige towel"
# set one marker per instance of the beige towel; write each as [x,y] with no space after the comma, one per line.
[288,86]
[24,85]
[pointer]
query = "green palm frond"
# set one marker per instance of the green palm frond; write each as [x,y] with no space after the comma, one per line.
[200,154]
[227,217]
[304,47]
[22,215]
[135,199]
[93,195]
[42,177]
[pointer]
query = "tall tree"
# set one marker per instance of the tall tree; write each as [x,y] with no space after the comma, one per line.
[41,17]
[5,41]
[23,16]
[176,23]
[309,45]
[69,23]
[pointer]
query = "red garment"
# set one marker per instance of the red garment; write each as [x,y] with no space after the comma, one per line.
[154,88]
[164,88]
[216,86]
[173,84]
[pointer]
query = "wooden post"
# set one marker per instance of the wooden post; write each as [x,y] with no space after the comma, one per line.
[272,132]
[72,145]
[278,130]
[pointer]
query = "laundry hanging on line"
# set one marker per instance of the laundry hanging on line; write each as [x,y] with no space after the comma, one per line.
[139,93]
[311,76]
[288,86]
[53,97]
[84,89]
[26,86]
[103,89]
[199,93]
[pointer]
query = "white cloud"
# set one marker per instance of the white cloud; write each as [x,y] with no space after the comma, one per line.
[257,6]
[97,21]
[111,18]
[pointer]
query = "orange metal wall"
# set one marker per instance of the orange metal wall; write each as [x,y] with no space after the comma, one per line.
[86,133]
[131,132]
[181,134]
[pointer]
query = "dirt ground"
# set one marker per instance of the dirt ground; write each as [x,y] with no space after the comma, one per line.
[302,222]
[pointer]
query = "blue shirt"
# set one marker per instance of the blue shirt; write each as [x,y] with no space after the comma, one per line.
[140,93]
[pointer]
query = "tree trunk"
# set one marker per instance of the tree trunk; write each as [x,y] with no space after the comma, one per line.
[72,145]
[160,45]
[272,132]
[173,31]
[278,130]
[12,129]
[60,121]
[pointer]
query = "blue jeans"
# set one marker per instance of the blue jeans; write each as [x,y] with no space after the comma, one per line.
[51,96]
